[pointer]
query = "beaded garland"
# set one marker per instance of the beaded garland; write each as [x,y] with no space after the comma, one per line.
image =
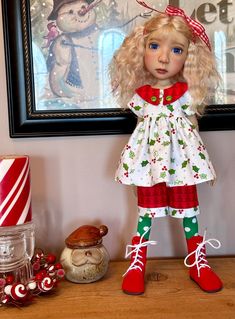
[46,275]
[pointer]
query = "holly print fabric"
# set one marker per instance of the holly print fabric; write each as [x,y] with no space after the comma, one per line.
[165,146]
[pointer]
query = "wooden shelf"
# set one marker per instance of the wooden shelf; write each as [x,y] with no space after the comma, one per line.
[169,294]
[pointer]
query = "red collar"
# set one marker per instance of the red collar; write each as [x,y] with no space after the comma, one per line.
[173,93]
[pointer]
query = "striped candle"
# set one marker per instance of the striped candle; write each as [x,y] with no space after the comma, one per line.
[15,192]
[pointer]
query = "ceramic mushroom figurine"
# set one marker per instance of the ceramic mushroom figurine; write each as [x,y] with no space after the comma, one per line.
[84,258]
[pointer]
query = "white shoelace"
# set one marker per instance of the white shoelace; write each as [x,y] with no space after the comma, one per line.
[200,256]
[135,249]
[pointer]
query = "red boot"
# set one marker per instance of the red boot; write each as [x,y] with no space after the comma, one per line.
[200,271]
[133,281]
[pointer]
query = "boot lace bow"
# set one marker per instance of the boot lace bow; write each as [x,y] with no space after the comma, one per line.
[137,263]
[200,254]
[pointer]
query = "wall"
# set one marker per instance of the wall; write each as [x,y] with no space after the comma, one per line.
[72,185]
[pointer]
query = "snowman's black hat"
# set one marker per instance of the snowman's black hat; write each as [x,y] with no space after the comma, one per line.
[58,4]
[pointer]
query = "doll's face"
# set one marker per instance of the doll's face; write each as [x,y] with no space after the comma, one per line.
[165,55]
[75,16]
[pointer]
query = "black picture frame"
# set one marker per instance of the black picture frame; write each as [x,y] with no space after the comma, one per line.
[25,121]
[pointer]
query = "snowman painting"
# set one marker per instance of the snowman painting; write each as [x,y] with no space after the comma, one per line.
[73,59]
[72,50]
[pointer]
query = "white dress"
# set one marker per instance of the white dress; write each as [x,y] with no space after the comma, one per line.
[165,146]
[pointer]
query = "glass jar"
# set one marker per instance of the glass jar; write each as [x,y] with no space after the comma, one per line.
[16,250]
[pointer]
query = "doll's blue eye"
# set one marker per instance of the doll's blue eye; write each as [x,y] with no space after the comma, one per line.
[153,46]
[177,50]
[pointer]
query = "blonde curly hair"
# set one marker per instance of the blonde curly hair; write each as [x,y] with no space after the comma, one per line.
[128,72]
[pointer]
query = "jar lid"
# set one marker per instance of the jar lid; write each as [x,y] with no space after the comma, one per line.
[86,236]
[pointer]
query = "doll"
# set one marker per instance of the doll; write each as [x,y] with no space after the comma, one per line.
[166,70]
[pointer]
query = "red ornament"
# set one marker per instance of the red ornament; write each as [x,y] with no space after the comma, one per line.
[18,291]
[47,274]
[46,284]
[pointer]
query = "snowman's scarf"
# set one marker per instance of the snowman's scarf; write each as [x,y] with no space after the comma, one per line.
[73,78]
[84,33]
[81,34]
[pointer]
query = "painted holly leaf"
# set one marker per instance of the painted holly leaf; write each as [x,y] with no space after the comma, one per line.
[166,143]
[170,107]
[160,159]
[171,171]
[178,182]
[131,154]
[125,166]
[202,156]
[174,212]
[196,169]
[139,141]
[161,115]
[137,107]
[184,164]
[181,142]
[203,176]
[167,133]
[163,175]
[144,163]
[185,106]
[152,142]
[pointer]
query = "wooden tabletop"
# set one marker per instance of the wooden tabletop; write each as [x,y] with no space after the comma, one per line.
[169,294]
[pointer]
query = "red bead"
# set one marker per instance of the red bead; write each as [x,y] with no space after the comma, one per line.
[58,266]
[60,273]
[50,258]
[39,277]
[9,279]
[36,266]
[43,272]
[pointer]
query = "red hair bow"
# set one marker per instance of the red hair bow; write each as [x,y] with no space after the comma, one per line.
[196,27]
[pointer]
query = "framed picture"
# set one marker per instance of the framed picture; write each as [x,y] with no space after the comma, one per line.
[57,70]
